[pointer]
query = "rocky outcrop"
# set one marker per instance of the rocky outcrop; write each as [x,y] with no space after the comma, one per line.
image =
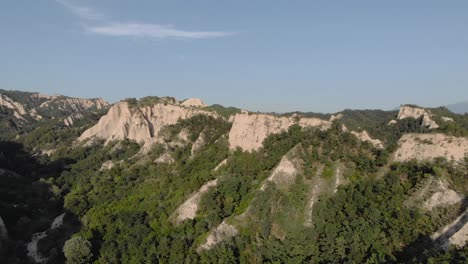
[199,143]
[107,165]
[221,233]
[447,119]
[142,124]
[250,130]
[286,171]
[392,122]
[454,234]
[165,158]
[188,210]
[74,104]
[184,135]
[416,113]
[17,108]
[195,102]
[27,107]
[430,146]
[336,117]
[71,119]
[364,136]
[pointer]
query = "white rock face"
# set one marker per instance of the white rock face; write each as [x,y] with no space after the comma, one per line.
[18,109]
[454,234]
[364,136]
[392,122]
[107,165]
[75,104]
[430,146]
[166,158]
[195,102]
[223,232]
[416,112]
[336,117]
[250,130]
[184,135]
[70,120]
[447,119]
[142,124]
[188,210]
[199,143]
[286,171]
[37,102]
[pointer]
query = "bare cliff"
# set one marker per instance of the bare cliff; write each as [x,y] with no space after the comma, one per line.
[250,130]
[195,102]
[140,123]
[407,111]
[286,171]
[430,146]
[188,210]
[364,136]
[27,107]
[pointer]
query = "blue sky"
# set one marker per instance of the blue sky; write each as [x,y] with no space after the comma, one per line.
[320,56]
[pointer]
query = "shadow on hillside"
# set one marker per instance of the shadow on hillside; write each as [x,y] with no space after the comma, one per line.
[425,247]
[28,203]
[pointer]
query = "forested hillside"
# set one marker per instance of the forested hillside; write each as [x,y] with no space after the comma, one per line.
[332,191]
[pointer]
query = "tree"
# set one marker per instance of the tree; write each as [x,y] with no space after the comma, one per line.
[77,250]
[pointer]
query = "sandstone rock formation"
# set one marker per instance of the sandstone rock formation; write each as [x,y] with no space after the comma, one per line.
[286,171]
[392,122]
[166,158]
[430,146]
[336,117]
[188,210]
[17,108]
[71,119]
[75,104]
[250,130]
[364,136]
[223,232]
[184,135]
[199,143]
[447,119]
[195,102]
[142,124]
[34,106]
[416,112]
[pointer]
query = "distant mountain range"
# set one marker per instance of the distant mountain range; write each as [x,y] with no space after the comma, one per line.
[459,108]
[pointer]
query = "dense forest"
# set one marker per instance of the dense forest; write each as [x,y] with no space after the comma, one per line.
[119,203]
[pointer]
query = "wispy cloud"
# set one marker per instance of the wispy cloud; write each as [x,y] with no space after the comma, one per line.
[152,31]
[106,27]
[83,12]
